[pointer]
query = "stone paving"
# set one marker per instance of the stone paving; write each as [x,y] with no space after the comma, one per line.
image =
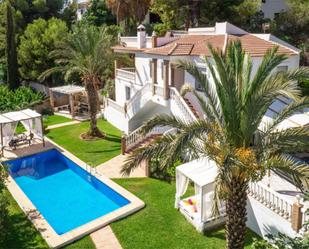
[105,239]
[112,168]
[62,124]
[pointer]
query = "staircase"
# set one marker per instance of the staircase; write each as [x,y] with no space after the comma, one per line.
[147,140]
[137,139]
[181,107]
[191,107]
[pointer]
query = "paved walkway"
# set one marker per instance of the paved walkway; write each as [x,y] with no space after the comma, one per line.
[105,239]
[112,168]
[62,124]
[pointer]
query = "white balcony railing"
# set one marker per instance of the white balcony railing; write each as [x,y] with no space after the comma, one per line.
[186,112]
[115,105]
[271,199]
[126,73]
[136,136]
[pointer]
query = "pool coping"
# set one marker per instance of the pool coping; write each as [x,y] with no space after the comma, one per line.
[51,237]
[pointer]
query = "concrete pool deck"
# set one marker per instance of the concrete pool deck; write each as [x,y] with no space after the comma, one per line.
[52,238]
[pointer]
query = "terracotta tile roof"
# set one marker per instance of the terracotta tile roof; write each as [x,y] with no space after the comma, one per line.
[197,45]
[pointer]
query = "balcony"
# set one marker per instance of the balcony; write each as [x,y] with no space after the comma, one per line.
[126,74]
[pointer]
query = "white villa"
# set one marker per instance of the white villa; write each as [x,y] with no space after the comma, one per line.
[152,87]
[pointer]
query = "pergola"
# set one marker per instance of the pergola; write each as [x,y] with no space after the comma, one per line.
[68,100]
[31,120]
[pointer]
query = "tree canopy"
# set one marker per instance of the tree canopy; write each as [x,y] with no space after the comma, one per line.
[177,14]
[99,14]
[129,13]
[38,40]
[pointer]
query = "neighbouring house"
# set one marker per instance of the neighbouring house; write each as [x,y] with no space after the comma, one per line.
[82,6]
[152,87]
[271,8]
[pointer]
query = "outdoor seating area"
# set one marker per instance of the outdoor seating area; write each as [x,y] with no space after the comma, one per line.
[19,139]
[30,120]
[69,100]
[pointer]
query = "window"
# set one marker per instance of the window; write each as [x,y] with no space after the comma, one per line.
[282,69]
[198,86]
[128,93]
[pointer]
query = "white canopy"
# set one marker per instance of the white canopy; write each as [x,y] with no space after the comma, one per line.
[68,89]
[31,120]
[201,171]
[26,114]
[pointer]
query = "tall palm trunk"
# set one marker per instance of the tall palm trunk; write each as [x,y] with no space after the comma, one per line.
[93,108]
[236,214]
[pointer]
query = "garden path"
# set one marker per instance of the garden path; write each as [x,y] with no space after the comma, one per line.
[112,168]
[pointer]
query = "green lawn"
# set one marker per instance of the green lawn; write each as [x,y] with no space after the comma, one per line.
[91,152]
[55,119]
[23,235]
[159,224]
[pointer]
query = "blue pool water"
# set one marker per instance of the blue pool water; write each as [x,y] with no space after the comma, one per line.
[66,195]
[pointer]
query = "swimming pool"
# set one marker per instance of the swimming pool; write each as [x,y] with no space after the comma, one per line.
[66,195]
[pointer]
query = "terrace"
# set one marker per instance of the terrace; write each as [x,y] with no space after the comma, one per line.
[128,74]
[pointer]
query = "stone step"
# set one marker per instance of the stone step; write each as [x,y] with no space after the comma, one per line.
[147,140]
[191,107]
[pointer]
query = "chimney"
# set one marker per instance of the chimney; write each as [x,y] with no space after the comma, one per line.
[141,36]
[154,39]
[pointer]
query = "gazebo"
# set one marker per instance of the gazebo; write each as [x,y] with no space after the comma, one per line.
[70,99]
[198,209]
[31,120]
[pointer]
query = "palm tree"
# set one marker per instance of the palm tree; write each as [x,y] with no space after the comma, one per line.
[119,8]
[124,9]
[87,52]
[231,134]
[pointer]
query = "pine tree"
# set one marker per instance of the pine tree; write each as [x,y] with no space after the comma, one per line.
[11,54]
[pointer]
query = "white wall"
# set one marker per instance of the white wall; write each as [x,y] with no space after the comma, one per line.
[117,119]
[264,221]
[292,63]
[120,92]
[149,110]
[270,7]
[142,68]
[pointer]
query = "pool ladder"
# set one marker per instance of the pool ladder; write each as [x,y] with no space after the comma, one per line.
[91,170]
